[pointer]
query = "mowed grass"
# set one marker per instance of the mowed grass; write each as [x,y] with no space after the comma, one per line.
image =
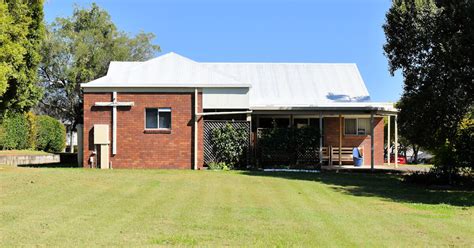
[21,152]
[85,207]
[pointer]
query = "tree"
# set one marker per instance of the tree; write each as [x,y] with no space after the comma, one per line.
[78,49]
[21,34]
[431,43]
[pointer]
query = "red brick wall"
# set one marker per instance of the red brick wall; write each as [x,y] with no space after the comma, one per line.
[137,148]
[331,138]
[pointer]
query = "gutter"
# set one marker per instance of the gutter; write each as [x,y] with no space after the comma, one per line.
[335,109]
[170,85]
[224,113]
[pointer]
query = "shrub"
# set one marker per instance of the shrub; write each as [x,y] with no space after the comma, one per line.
[274,140]
[2,136]
[229,145]
[464,151]
[15,132]
[456,155]
[306,139]
[31,120]
[284,146]
[218,166]
[51,134]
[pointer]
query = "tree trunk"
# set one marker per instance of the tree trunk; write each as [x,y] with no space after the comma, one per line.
[71,140]
[415,153]
[450,176]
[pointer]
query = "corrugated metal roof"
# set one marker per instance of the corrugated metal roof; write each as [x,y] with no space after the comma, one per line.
[169,70]
[118,67]
[298,84]
[272,85]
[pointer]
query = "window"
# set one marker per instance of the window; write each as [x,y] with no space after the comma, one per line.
[360,126]
[300,123]
[363,126]
[350,126]
[158,118]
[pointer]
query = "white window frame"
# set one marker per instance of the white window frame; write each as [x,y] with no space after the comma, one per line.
[301,118]
[367,132]
[158,118]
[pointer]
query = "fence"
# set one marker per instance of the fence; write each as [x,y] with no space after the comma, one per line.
[210,125]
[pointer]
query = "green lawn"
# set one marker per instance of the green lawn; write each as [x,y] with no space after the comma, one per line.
[21,152]
[85,207]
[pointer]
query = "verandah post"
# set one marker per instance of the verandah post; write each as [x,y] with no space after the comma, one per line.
[340,138]
[388,140]
[396,141]
[321,138]
[293,150]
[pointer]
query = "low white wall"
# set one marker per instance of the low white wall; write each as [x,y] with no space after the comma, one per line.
[29,159]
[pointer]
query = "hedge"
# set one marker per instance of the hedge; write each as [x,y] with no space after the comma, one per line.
[31,120]
[51,134]
[15,132]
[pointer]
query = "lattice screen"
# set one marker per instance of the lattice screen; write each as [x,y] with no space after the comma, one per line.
[209,126]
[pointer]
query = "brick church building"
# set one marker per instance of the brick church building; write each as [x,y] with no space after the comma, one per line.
[151,114]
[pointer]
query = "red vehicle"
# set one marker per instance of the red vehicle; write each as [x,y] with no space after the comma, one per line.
[401,159]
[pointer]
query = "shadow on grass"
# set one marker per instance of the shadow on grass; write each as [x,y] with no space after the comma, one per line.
[54,165]
[388,186]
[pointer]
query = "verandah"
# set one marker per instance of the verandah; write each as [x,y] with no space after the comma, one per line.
[305,139]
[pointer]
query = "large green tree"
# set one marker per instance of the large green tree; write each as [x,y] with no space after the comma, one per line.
[78,49]
[21,34]
[431,42]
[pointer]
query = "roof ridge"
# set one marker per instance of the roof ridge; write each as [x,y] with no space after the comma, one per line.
[128,71]
[203,66]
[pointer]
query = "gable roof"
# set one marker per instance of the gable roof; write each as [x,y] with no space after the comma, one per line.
[169,70]
[276,85]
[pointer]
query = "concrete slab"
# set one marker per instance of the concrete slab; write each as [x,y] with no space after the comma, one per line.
[379,168]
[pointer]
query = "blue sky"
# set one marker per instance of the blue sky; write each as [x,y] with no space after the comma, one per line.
[331,31]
